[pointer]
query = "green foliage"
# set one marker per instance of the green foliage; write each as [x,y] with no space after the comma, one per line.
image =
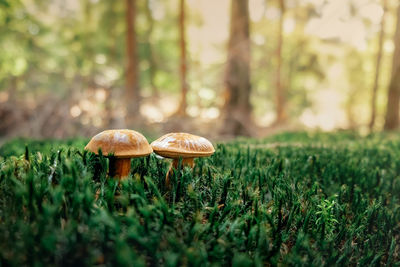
[326,218]
[19,145]
[44,44]
[292,199]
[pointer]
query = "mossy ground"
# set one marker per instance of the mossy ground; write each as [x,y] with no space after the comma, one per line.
[291,199]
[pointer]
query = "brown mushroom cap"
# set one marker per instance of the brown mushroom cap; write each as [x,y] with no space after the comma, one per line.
[120,143]
[184,145]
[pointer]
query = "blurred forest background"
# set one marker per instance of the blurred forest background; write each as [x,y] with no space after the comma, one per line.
[214,67]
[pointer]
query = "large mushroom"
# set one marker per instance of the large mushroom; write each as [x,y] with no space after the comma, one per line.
[121,145]
[182,145]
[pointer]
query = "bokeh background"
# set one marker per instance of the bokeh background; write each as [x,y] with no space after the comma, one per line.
[213,67]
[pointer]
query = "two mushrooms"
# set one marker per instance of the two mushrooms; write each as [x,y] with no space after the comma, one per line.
[123,145]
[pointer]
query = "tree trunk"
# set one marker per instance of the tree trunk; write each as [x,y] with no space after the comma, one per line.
[110,114]
[392,113]
[237,109]
[279,88]
[183,67]
[132,99]
[151,59]
[377,68]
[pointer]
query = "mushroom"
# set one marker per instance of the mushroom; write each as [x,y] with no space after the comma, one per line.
[182,145]
[123,145]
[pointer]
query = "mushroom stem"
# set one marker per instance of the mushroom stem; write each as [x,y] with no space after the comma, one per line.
[185,162]
[119,167]
[175,165]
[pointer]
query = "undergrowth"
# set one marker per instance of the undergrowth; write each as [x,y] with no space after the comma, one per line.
[292,199]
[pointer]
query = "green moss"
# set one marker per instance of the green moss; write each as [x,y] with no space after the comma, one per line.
[291,199]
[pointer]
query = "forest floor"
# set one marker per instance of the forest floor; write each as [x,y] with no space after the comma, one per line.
[310,199]
[54,117]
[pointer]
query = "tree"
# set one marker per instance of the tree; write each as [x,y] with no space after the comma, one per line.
[237,108]
[86,34]
[109,23]
[132,79]
[183,65]
[280,93]
[377,67]
[392,113]
[151,58]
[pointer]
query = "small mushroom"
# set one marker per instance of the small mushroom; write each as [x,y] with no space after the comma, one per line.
[123,145]
[182,145]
